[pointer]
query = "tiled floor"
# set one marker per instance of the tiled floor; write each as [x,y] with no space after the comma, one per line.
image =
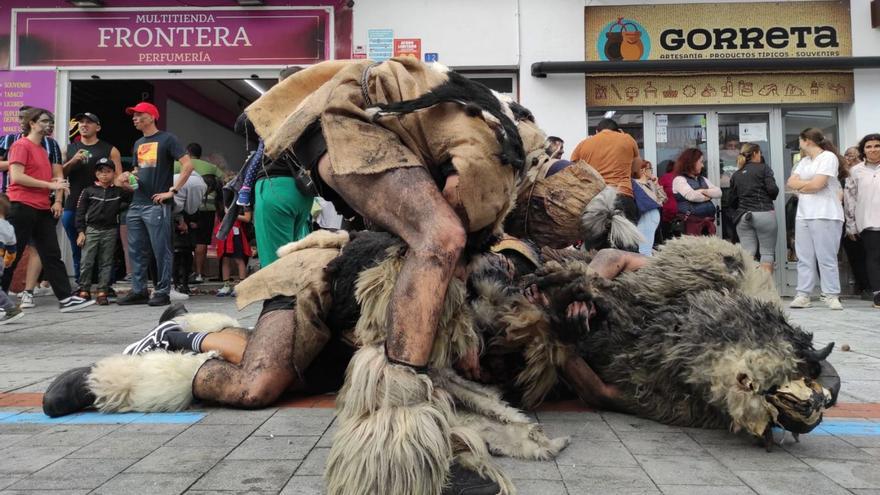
[283,449]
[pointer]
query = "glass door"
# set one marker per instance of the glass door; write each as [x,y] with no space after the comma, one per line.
[734,130]
[676,132]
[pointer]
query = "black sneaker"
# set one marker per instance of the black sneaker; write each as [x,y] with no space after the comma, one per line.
[463,481]
[111,295]
[877,300]
[133,298]
[11,314]
[74,303]
[153,340]
[68,393]
[159,299]
[173,311]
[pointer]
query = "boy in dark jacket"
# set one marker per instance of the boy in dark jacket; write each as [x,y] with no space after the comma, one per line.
[97,221]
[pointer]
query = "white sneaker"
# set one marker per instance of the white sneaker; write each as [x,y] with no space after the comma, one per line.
[27,299]
[226,290]
[177,296]
[43,291]
[800,301]
[833,302]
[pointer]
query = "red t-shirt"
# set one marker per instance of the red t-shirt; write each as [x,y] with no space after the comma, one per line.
[36,164]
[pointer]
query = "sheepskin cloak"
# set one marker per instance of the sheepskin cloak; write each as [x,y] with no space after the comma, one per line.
[345,95]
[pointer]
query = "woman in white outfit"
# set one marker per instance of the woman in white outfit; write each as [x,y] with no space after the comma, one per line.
[819,219]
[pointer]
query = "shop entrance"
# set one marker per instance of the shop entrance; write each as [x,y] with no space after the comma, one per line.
[663,133]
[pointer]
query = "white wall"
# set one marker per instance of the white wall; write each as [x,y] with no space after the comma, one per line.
[553,30]
[472,34]
[516,33]
[863,117]
[190,127]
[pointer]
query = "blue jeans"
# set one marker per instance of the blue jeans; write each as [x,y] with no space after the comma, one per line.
[647,226]
[68,219]
[150,226]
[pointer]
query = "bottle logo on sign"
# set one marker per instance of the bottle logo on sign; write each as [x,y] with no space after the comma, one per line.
[624,39]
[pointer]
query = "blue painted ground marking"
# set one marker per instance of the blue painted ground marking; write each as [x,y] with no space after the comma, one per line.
[848,428]
[95,418]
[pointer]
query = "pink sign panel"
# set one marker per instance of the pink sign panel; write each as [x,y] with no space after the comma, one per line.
[170,37]
[19,88]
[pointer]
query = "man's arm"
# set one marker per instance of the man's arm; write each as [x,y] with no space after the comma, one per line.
[186,168]
[18,176]
[58,176]
[609,263]
[76,159]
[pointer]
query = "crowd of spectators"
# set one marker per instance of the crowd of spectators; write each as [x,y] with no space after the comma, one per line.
[166,212]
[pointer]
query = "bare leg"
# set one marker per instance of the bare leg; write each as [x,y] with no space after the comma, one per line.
[224,268]
[266,367]
[201,254]
[242,268]
[230,345]
[768,267]
[407,203]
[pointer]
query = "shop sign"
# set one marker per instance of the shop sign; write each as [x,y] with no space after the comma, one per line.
[718,31]
[720,89]
[408,47]
[19,88]
[169,37]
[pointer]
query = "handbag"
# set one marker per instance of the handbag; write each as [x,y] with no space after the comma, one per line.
[301,175]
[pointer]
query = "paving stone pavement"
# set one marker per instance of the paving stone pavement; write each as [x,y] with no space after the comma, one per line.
[283,449]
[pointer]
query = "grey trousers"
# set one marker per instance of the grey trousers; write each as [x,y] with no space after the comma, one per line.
[757,231]
[99,249]
[816,243]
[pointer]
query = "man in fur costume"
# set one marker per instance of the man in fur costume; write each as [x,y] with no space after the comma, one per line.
[706,345]
[433,158]
[297,344]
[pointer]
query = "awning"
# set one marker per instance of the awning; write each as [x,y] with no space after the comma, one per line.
[542,69]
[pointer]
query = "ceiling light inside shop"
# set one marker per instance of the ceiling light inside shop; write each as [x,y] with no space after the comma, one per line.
[255,86]
[609,114]
[86,3]
[250,3]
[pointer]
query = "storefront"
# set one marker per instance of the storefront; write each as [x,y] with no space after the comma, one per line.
[200,64]
[670,104]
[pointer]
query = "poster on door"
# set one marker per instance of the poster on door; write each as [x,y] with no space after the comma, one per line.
[753,132]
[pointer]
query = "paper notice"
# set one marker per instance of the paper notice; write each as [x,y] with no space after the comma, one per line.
[662,136]
[752,133]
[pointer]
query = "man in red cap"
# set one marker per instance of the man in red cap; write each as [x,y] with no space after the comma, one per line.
[149,216]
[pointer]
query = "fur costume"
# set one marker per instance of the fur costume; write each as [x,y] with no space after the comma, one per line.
[383,404]
[569,206]
[402,113]
[695,338]
[155,381]
[152,382]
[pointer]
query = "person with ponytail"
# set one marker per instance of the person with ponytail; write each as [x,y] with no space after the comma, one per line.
[752,191]
[819,219]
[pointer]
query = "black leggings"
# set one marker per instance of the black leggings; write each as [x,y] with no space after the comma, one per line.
[871,242]
[38,225]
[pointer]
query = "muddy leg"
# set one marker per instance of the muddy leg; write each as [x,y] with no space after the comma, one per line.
[407,203]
